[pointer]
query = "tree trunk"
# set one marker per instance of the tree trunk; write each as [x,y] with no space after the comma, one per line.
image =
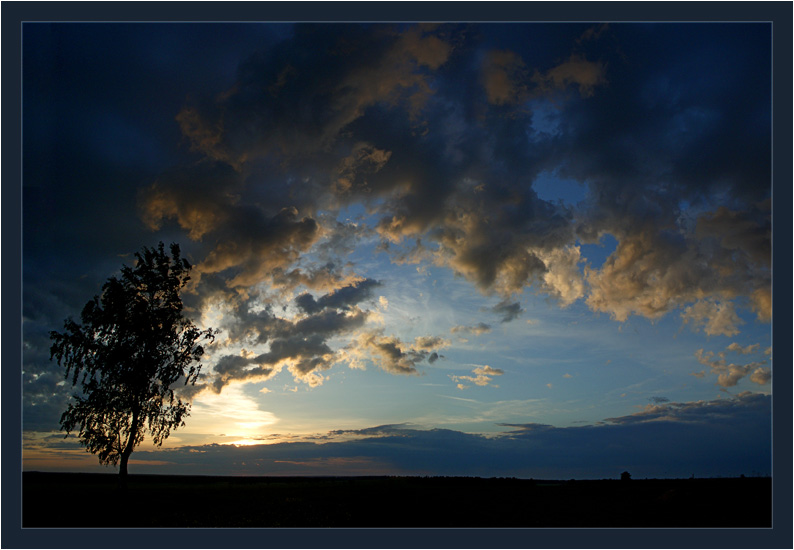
[123,464]
[122,483]
[125,454]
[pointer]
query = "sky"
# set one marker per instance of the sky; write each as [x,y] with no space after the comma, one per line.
[531,250]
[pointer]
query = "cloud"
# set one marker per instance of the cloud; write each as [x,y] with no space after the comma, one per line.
[746,403]
[482,376]
[669,256]
[522,429]
[259,244]
[364,160]
[562,277]
[477,330]
[261,211]
[252,242]
[460,185]
[691,218]
[714,317]
[205,137]
[655,270]
[648,274]
[255,203]
[298,97]
[724,437]
[392,354]
[341,298]
[504,76]
[507,310]
[299,343]
[762,303]
[235,367]
[729,374]
[200,199]
[740,232]
[747,350]
[576,71]
[326,277]
[761,375]
[499,237]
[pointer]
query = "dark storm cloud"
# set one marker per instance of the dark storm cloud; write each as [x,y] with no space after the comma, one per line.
[306,127]
[701,151]
[508,311]
[289,103]
[379,121]
[238,367]
[531,427]
[330,322]
[257,244]
[95,130]
[297,98]
[745,407]
[200,199]
[323,79]
[342,298]
[299,343]
[726,437]
[705,116]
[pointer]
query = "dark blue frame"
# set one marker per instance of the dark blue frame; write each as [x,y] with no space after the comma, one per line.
[14,13]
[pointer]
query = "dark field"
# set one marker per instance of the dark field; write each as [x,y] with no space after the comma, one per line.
[95,500]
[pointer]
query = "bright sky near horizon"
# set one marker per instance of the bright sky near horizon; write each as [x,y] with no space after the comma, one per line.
[534,250]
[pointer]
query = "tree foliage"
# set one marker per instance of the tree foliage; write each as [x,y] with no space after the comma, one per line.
[132,348]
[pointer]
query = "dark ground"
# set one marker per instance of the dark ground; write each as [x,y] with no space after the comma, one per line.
[95,500]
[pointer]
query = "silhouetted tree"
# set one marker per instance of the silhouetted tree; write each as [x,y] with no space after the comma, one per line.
[625,476]
[133,346]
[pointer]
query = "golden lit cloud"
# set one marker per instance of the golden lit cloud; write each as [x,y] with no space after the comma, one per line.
[503,76]
[716,318]
[562,277]
[577,71]
[482,376]
[729,374]
[392,354]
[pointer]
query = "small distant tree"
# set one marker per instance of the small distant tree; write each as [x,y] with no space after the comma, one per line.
[625,476]
[129,352]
